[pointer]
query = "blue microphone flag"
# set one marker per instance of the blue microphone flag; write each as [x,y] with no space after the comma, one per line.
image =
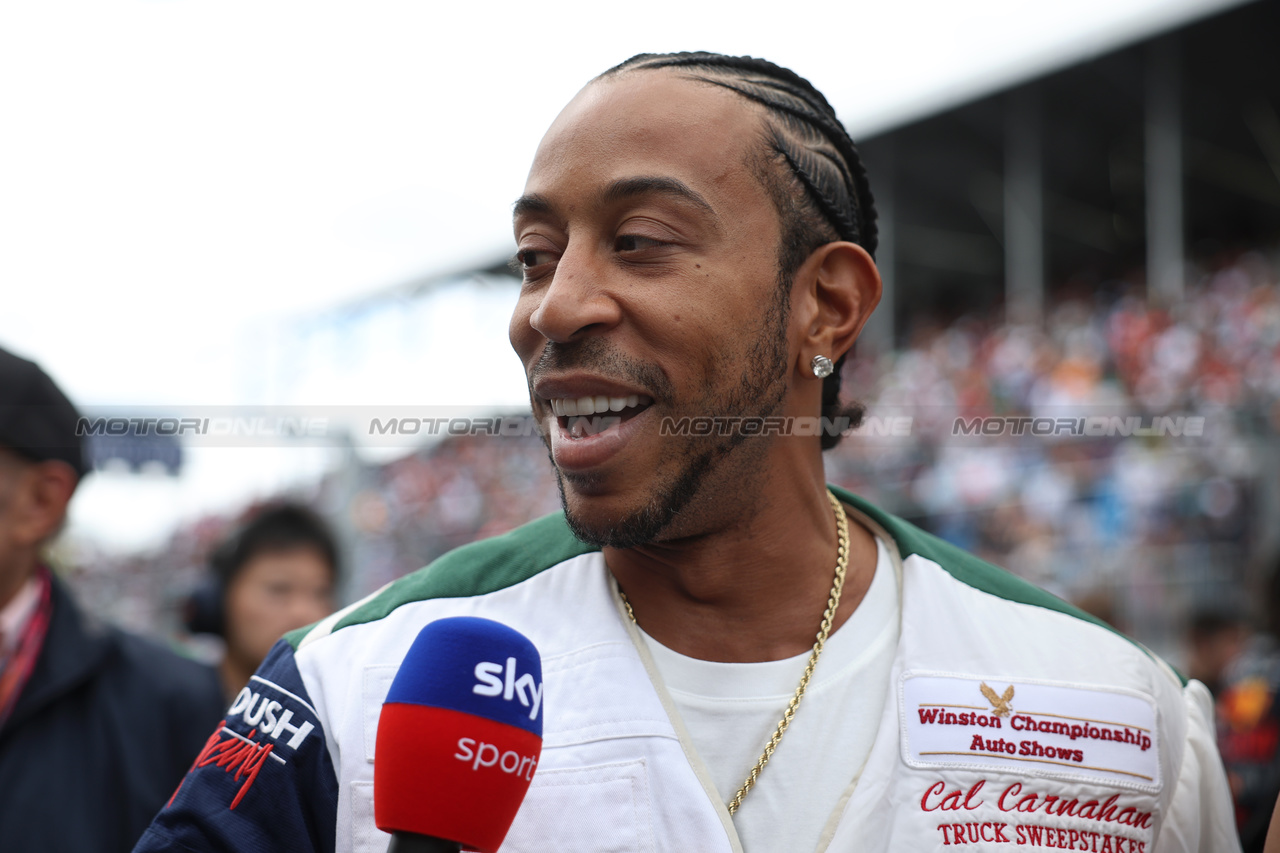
[475,666]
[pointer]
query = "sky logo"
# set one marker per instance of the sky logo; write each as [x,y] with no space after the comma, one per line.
[474,666]
[494,679]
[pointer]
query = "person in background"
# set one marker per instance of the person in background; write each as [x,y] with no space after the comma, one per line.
[1216,638]
[97,726]
[277,573]
[1249,724]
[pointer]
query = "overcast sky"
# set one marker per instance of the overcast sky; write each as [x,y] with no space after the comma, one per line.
[177,176]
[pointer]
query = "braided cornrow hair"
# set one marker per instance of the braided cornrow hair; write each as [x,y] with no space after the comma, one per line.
[811,169]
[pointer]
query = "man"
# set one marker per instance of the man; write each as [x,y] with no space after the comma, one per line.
[695,237]
[275,574]
[96,726]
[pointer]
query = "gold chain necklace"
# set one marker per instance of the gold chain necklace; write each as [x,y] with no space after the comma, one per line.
[824,630]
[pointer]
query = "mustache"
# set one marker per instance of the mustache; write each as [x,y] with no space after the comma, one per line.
[600,356]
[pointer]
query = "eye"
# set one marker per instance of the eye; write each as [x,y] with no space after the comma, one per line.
[527,259]
[634,243]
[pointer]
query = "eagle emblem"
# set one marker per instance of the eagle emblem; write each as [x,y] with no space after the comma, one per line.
[999,704]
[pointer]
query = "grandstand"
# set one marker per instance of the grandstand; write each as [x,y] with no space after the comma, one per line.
[1102,172]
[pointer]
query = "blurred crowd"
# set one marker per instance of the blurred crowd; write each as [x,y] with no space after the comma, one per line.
[1137,527]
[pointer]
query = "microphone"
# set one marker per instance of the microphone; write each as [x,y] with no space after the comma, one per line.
[459,738]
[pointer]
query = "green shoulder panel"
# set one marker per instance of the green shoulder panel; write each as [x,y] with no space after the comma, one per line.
[504,561]
[971,570]
[481,567]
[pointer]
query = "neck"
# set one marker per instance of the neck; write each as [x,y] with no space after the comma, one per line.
[14,573]
[755,588]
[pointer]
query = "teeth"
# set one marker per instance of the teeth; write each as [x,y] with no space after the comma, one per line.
[569,407]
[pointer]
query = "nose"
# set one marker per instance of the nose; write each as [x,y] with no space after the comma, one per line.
[578,301]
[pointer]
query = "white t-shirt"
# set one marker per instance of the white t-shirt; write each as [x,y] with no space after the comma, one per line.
[731,710]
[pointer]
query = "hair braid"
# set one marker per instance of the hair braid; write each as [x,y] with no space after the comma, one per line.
[845,224]
[823,192]
[801,102]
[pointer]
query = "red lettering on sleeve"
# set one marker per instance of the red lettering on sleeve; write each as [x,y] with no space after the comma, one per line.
[239,755]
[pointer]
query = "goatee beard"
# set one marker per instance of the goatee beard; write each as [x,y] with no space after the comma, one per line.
[645,525]
[760,392]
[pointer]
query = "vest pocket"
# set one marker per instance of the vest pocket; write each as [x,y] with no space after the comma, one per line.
[365,835]
[599,809]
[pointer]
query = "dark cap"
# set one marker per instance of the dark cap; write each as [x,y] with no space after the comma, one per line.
[36,419]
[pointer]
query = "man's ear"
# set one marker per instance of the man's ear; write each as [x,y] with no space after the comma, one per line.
[40,501]
[834,293]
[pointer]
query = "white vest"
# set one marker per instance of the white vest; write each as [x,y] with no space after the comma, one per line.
[1009,722]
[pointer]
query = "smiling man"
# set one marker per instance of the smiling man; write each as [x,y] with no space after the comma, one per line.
[736,657]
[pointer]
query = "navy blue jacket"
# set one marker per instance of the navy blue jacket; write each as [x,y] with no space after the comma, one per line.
[100,736]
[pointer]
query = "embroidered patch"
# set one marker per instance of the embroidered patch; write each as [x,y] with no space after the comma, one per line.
[266,722]
[274,711]
[1039,728]
[236,754]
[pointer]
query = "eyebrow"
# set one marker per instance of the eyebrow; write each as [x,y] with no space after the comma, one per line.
[530,204]
[621,190]
[625,188]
